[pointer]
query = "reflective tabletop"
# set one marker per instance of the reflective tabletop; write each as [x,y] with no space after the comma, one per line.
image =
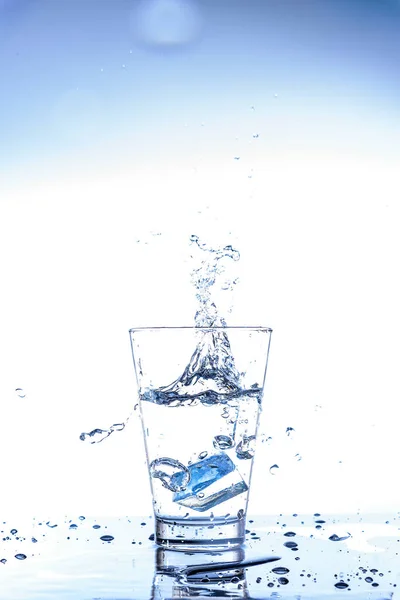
[285,556]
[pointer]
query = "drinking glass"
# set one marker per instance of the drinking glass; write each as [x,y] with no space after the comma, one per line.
[200,396]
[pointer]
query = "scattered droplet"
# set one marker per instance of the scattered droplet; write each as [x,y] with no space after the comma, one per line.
[176,480]
[369,579]
[51,526]
[107,538]
[274,469]
[20,392]
[298,457]
[237,157]
[280,570]
[283,580]
[96,526]
[290,544]
[20,556]
[200,495]
[256,135]
[13,531]
[289,534]
[3,561]
[203,454]
[223,442]
[246,447]
[336,538]
[289,430]
[341,585]
[34,540]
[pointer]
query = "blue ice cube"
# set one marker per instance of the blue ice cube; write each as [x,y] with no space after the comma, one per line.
[207,475]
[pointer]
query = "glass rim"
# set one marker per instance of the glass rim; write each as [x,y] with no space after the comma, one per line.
[194,328]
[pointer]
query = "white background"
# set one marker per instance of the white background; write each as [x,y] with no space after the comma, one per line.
[319,264]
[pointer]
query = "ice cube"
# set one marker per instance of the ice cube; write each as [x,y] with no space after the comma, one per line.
[212,480]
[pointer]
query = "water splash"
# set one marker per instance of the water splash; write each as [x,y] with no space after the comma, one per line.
[98,435]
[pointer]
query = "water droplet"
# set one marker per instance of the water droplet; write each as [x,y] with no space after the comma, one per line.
[240,514]
[274,469]
[34,540]
[81,518]
[256,135]
[290,544]
[280,570]
[237,157]
[203,454]
[369,579]
[289,430]
[223,442]
[200,495]
[96,526]
[20,393]
[51,526]
[20,556]
[176,480]
[270,584]
[289,534]
[258,580]
[107,538]
[13,531]
[283,580]
[73,526]
[3,561]
[298,457]
[246,447]
[341,585]
[336,538]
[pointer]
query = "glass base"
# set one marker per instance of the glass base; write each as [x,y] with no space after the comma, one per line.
[199,534]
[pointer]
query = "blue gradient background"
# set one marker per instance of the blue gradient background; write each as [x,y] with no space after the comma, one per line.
[108,137]
[333,63]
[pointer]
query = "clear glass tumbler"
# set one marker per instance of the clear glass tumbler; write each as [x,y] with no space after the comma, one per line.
[200,394]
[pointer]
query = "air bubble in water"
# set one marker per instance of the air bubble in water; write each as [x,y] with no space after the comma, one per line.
[246,447]
[274,469]
[223,442]
[176,480]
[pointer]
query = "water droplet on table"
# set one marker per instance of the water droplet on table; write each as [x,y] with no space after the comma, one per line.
[341,585]
[336,538]
[280,570]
